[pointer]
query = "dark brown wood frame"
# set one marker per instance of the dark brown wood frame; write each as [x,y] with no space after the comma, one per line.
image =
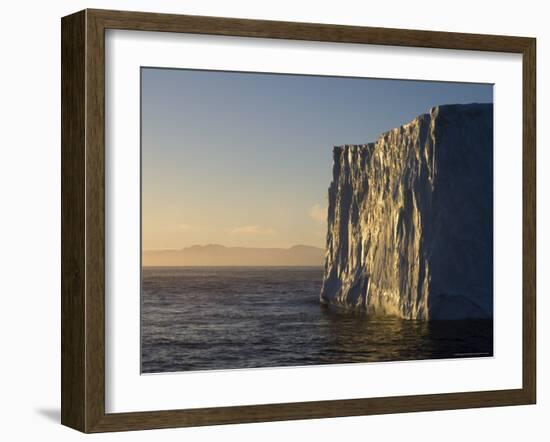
[83,217]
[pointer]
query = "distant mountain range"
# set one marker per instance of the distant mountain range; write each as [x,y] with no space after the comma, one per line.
[218,255]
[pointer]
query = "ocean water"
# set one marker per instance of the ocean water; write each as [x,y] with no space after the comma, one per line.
[211,318]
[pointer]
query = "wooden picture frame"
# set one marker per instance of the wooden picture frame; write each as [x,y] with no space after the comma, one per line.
[83,220]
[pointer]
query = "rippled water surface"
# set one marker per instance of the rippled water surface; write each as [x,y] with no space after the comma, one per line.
[204,318]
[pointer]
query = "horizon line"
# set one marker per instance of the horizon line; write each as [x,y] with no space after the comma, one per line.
[236,265]
[230,247]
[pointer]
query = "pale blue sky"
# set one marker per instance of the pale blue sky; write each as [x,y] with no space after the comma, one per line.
[245,159]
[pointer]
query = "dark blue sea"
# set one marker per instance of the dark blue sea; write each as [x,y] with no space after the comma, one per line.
[212,318]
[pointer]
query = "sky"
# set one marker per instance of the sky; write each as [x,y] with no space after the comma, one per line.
[245,159]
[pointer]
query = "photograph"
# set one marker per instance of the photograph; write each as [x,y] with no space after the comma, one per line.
[292,220]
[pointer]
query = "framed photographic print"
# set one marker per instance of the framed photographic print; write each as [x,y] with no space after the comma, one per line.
[270,220]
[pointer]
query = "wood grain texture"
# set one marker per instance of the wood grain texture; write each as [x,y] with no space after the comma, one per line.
[529,221]
[83,220]
[73,104]
[95,222]
[145,21]
[307,410]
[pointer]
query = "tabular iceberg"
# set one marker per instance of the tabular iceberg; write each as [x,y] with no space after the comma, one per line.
[410,219]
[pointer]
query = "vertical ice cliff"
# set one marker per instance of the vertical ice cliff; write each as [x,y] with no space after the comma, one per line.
[410,219]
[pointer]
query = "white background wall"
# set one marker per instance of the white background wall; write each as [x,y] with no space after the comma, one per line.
[30,216]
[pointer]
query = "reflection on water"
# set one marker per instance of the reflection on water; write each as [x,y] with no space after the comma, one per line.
[200,318]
